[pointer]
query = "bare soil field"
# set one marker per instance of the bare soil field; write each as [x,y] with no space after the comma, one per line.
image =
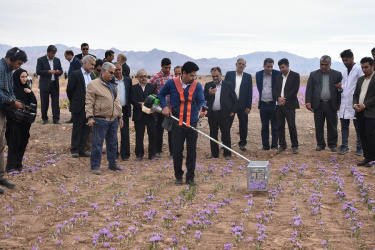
[316,200]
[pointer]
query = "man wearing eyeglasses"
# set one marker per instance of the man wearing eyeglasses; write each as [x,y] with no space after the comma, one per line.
[98,68]
[13,60]
[85,51]
[104,114]
[139,92]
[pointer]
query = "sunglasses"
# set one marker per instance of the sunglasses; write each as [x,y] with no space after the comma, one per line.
[142,77]
[111,72]
[99,70]
[85,49]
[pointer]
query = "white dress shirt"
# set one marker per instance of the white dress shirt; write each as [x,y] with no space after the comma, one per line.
[216,105]
[349,83]
[238,84]
[86,76]
[122,90]
[364,89]
[51,66]
[284,81]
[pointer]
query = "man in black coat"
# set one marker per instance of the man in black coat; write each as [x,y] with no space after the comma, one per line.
[49,69]
[285,92]
[85,52]
[222,105]
[74,62]
[121,58]
[139,93]
[124,85]
[76,91]
[243,86]
[364,105]
[324,98]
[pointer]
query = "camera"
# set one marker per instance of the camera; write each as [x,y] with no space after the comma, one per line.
[26,114]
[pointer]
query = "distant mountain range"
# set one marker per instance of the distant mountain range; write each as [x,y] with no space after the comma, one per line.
[150,60]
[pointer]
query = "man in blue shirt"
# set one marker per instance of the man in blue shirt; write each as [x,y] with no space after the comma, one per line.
[174,87]
[13,60]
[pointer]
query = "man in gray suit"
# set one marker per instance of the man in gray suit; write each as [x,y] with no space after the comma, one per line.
[49,69]
[364,105]
[324,98]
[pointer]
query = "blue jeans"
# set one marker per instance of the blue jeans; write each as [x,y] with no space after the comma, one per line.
[345,132]
[104,130]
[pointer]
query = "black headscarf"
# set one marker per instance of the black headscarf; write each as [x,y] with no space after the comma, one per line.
[18,88]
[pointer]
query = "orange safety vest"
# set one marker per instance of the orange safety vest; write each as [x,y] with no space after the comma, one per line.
[180,90]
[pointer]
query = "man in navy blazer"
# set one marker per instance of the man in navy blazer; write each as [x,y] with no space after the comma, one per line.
[74,62]
[243,86]
[124,85]
[49,69]
[266,81]
[76,91]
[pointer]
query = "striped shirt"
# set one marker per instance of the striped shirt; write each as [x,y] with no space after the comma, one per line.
[159,79]
[6,83]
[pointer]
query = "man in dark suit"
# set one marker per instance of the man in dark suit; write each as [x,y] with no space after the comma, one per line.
[109,55]
[85,52]
[222,105]
[74,62]
[285,92]
[121,58]
[324,98]
[266,81]
[364,105]
[243,86]
[124,85]
[49,69]
[76,91]
[139,93]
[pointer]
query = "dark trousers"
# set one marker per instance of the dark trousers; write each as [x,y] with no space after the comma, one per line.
[345,132]
[217,120]
[267,115]
[282,114]
[104,130]
[125,138]
[80,132]
[179,134]
[366,127]
[17,135]
[140,125]
[323,113]
[54,91]
[160,133]
[243,120]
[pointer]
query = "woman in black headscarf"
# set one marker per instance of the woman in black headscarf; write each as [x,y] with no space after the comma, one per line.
[18,132]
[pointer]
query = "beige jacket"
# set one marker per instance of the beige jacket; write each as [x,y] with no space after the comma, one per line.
[100,103]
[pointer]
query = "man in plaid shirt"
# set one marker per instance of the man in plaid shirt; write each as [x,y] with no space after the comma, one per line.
[13,60]
[159,79]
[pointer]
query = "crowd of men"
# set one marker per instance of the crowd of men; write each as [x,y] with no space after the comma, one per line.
[101,95]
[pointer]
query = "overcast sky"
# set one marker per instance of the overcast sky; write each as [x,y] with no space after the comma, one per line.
[200,29]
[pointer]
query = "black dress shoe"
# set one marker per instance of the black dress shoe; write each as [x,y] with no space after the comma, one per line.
[280,150]
[319,148]
[368,165]
[2,190]
[151,157]
[125,159]
[56,122]
[363,163]
[84,154]
[69,121]
[178,182]
[243,148]
[44,122]
[211,156]
[75,155]
[4,182]
[115,168]
[191,183]
[295,150]
[334,149]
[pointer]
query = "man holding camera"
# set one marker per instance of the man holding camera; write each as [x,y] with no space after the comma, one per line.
[13,60]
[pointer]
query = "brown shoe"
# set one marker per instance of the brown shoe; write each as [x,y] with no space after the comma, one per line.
[96,172]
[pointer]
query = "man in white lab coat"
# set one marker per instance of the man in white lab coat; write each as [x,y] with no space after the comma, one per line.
[346,113]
